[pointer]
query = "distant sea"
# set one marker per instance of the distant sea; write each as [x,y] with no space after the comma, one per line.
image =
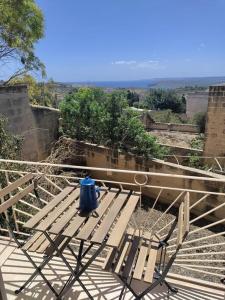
[166,83]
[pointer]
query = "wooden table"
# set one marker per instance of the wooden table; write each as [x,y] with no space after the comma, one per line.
[60,221]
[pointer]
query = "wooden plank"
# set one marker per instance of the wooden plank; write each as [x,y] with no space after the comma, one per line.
[77,221]
[60,224]
[13,200]
[41,239]
[132,255]
[186,213]
[14,185]
[32,240]
[124,250]
[109,218]
[149,272]
[64,219]
[140,264]
[42,213]
[53,215]
[109,259]
[180,224]
[121,224]
[93,220]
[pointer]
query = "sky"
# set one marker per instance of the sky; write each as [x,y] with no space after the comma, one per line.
[112,40]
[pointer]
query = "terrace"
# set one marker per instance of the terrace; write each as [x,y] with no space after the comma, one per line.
[200,264]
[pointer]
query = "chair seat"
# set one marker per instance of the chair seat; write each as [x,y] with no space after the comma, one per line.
[138,255]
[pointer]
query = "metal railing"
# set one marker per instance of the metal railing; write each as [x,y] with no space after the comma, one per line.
[203,252]
[209,163]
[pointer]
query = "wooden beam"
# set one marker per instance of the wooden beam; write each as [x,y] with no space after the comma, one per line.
[14,185]
[4,206]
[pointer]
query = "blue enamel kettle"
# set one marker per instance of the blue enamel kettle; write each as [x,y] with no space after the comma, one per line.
[89,194]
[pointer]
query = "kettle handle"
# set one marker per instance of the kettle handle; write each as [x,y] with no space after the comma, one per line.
[97,189]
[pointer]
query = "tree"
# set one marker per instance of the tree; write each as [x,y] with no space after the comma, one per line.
[200,119]
[132,97]
[21,26]
[39,93]
[90,115]
[10,145]
[159,99]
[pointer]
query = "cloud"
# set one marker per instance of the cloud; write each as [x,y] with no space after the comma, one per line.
[150,63]
[201,46]
[124,62]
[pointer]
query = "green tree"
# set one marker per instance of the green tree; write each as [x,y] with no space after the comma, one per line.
[159,99]
[82,114]
[132,97]
[21,26]
[90,115]
[10,145]
[39,93]
[200,120]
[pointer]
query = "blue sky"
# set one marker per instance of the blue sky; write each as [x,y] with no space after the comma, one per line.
[132,39]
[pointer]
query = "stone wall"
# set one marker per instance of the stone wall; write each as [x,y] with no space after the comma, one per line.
[14,105]
[215,124]
[37,125]
[196,102]
[189,128]
[102,157]
[47,125]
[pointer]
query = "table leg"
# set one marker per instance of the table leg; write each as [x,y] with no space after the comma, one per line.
[81,271]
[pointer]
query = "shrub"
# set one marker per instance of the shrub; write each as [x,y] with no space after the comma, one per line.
[92,116]
[159,99]
[200,119]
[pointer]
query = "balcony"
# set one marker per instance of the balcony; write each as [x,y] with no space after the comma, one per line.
[199,266]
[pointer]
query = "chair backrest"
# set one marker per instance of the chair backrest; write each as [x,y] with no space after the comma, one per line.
[183,220]
[28,178]
[183,230]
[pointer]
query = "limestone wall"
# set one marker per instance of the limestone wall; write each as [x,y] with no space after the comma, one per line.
[189,128]
[215,124]
[47,125]
[37,125]
[99,156]
[196,102]
[14,105]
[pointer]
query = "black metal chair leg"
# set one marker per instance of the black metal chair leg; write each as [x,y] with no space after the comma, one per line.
[122,292]
[38,271]
[171,288]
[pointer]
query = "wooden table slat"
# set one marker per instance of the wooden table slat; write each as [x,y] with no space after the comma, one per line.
[77,221]
[121,224]
[37,243]
[53,215]
[109,218]
[32,240]
[51,205]
[45,244]
[61,223]
[93,221]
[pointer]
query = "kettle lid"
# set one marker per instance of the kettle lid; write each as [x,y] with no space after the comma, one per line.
[87,181]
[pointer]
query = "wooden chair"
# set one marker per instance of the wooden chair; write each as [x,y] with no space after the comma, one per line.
[142,259]
[10,192]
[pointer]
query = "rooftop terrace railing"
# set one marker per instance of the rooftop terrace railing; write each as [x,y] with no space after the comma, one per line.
[210,163]
[202,255]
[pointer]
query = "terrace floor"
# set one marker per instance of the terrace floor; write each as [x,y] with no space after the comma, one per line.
[15,269]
